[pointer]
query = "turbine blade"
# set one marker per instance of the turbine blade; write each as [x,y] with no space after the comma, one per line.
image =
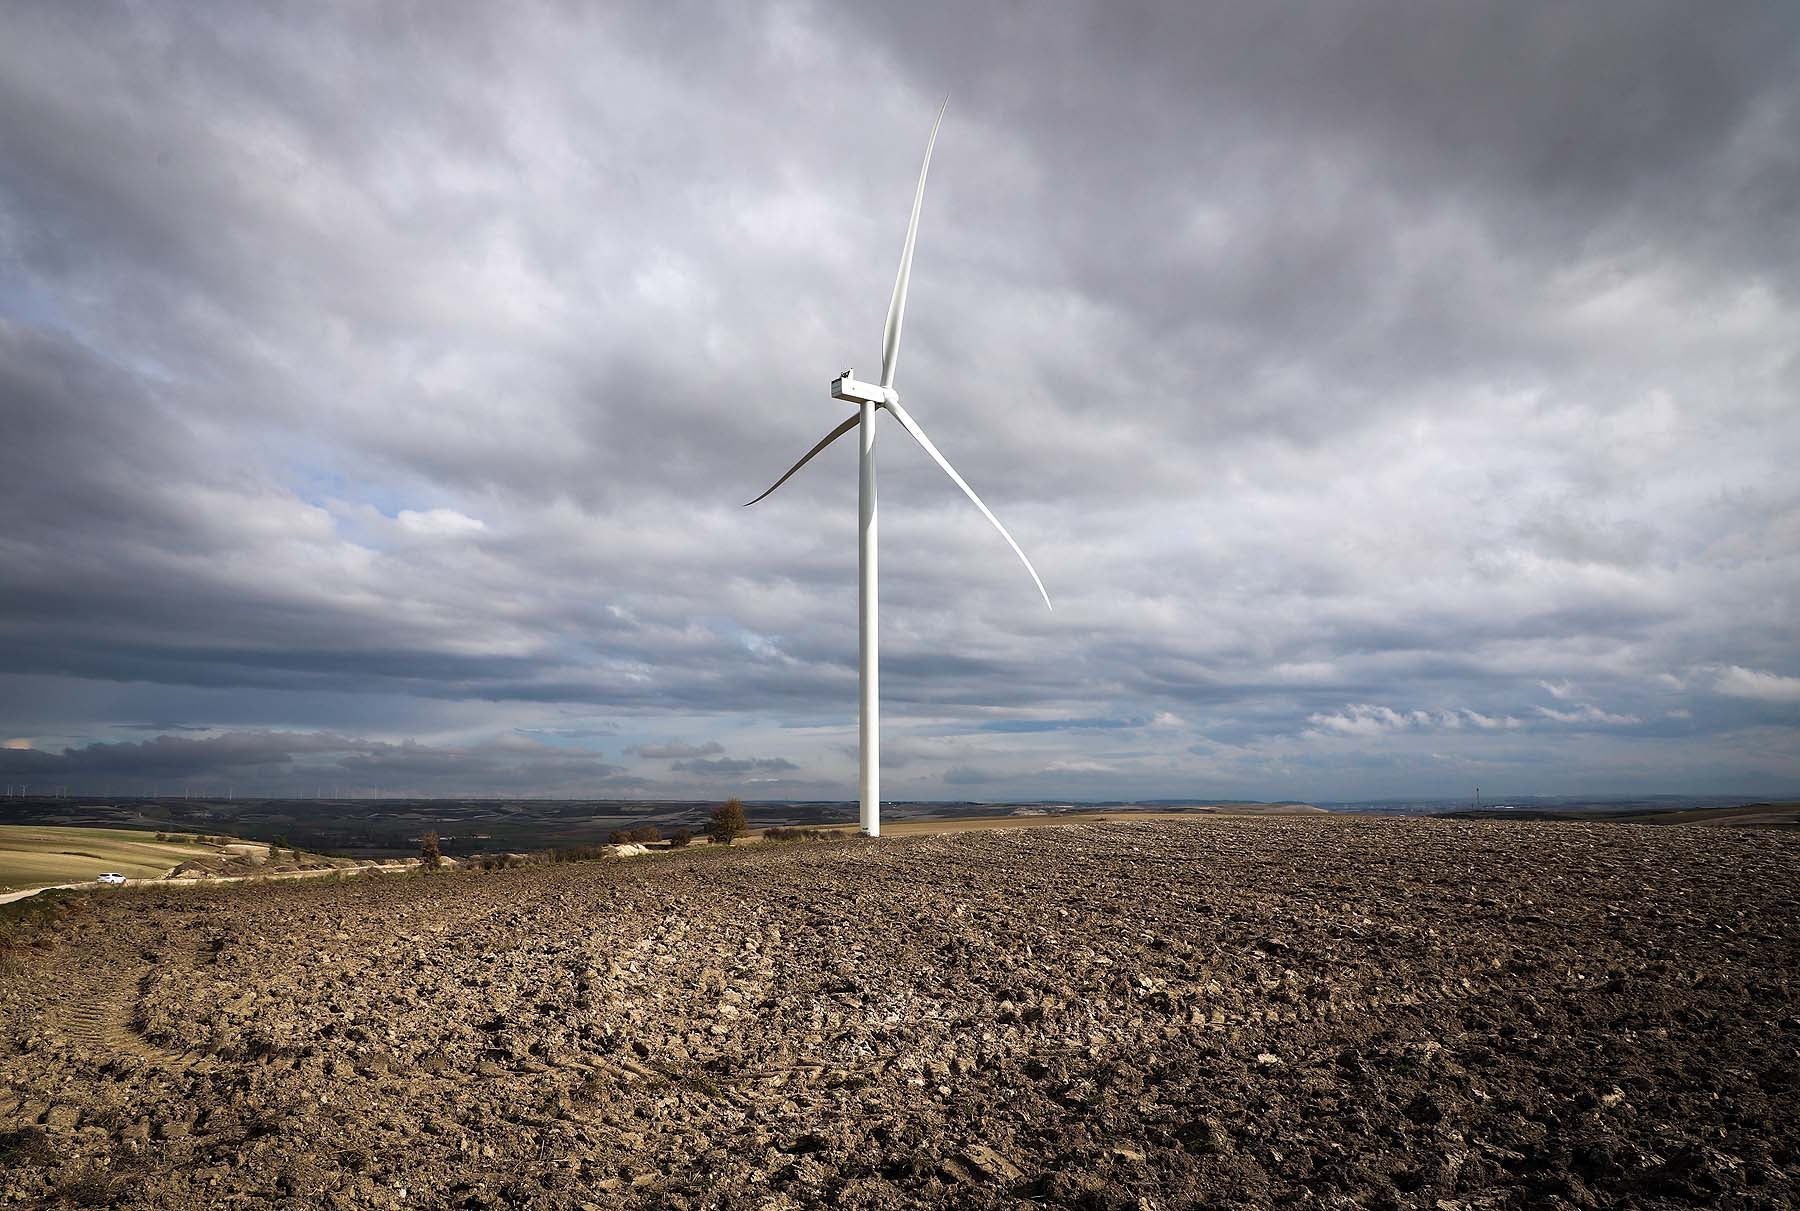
[807,457]
[890,341]
[912,427]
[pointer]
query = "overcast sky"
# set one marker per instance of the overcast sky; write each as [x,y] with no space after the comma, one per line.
[1394,399]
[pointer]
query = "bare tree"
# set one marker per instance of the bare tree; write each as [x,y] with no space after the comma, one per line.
[728,822]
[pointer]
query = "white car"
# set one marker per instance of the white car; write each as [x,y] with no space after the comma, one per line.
[112,877]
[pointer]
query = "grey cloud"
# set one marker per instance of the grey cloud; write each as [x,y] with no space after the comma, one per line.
[732,766]
[570,733]
[1098,723]
[1318,357]
[1588,713]
[661,751]
[298,762]
[178,757]
[1755,683]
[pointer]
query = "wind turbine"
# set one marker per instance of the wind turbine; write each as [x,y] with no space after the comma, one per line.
[869,398]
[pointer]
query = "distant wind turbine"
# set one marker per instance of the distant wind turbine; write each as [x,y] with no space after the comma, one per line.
[868,397]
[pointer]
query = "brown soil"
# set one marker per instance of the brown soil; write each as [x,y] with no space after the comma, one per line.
[1278,1012]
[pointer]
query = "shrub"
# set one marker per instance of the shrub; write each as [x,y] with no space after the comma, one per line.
[643,834]
[728,822]
[680,837]
[87,1186]
[430,856]
[578,853]
[800,834]
[27,1147]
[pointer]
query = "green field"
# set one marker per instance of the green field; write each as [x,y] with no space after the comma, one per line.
[38,856]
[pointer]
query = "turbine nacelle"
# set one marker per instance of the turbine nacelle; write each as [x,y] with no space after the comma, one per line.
[851,389]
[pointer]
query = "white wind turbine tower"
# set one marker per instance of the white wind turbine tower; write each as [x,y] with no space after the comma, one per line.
[869,397]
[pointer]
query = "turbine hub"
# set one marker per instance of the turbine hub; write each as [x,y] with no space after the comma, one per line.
[850,389]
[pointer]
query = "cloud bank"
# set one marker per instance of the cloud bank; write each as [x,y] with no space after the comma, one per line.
[1390,401]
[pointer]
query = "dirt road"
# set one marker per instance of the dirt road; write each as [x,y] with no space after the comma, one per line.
[92,885]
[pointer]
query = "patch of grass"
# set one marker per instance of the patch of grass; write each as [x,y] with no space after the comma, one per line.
[694,1080]
[699,1082]
[88,1186]
[25,925]
[26,1148]
[806,834]
[45,908]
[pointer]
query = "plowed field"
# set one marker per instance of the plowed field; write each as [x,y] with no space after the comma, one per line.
[1273,1012]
